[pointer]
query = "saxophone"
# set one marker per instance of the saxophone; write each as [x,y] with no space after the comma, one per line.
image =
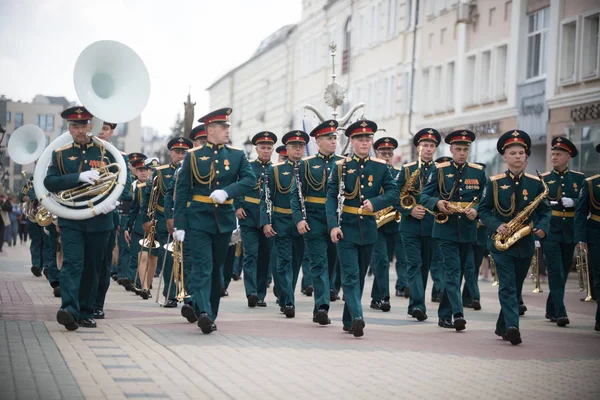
[517,229]
[407,200]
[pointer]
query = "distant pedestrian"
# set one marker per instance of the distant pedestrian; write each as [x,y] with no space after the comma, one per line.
[23,224]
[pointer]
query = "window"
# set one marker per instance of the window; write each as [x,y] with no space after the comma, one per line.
[430,43]
[507,10]
[450,86]
[7,117]
[470,81]
[585,137]
[45,122]
[590,46]
[537,36]
[491,16]
[392,18]
[568,51]
[405,98]
[438,100]
[442,35]
[425,92]
[500,75]
[18,120]
[430,10]
[485,75]
[347,46]
[408,22]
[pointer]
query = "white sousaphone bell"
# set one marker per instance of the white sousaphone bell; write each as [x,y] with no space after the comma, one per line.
[26,144]
[113,84]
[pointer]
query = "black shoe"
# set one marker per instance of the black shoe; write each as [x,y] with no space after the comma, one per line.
[57,291]
[120,281]
[476,305]
[261,303]
[65,318]
[321,317]
[385,306]
[358,326]
[522,309]
[562,321]
[419,314]
[136,290]
[252,300]
[289,311]
[45,272]
[399,293]
[406,292]
[224,292]
[213,327]
[435,299]
[235,277]
[459,324]
[552,319]
[375,305]
[597,327]
[309,291]
[188,313]
[205,323]
[444,323]
[171,304]
[513,335]
[36,271]
[114,277]
[347,329]
[127,284]
[145,294]
[333,295]
[502,335]
[87,323]
[99,314]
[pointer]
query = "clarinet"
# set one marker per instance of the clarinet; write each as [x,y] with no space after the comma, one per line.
[268,197]
[340,196]
[299,185]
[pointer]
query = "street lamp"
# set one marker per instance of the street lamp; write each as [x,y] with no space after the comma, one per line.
[248,146]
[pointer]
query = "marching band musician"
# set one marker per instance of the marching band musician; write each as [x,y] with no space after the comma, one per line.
[282,154]
[257,247]
[353,197]
[198,135]
[83,241]
[164,176]
[310,218]
[211,176]
[587,232]
[387,235]
[455,184]
[35,230]
[558,246]
[277,221]
[416,225]
[505,195]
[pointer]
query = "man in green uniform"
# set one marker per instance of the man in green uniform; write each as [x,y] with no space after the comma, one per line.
[587,231]
[164,176]
[455,184]
[35,231]
[257,247]
[353,198]
[210,178]
[564,185]
[310,217]
[417,224]
[83,241]
[383,251]
[505,196]
[277,221]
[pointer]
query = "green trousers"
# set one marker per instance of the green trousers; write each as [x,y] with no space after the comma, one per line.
[134,250]
[53,272]
[354,262]
[257,255]
[104,275]
[290,251]
[437,270]
[478,254]
[457,258]
[512,272]
[594,268]
[124,250]
[208,252]
[401,264]
[36,245]
[559,257]
[82,262]
[383,252]
[323,257]
[168,282]
[419,250]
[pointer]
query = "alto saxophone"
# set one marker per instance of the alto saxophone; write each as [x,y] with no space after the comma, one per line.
[407,200]
[517,227]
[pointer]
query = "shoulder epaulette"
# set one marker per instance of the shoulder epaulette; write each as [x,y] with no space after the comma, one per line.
[379,160]
[162,167]
[397,168]
[195,148]
[476,166]
[233,148]
[308,157]
[532,176]
[278,164]
[68,146]
[496,177]
[443,164]
[546,173]
[141,185]
[340,162]
[410,164]
[577,172]
[591,178]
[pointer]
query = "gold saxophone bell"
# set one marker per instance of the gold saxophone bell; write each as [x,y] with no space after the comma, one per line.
[408,202]
[43,217]
[386,215]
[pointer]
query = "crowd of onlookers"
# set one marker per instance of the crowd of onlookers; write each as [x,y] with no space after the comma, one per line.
[13,223]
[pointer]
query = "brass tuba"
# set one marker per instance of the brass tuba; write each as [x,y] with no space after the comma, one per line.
[517,229]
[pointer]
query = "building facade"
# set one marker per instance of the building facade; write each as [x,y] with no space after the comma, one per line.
[484,65]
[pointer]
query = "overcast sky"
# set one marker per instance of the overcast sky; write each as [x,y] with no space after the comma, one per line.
[182,42]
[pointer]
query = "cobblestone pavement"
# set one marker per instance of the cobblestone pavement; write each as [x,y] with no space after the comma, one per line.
[143,351]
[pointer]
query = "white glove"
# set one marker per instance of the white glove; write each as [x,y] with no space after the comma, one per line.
[219,196]
[106,208]
[179,235]
[89,176]
[568,202]
[537,244]
[553,203]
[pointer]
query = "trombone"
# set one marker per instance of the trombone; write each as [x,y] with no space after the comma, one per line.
[583,272]
[177,274]
[148,240]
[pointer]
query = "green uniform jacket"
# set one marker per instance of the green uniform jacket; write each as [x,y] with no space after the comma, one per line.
[494,209]
[587,214]
[281,177]
[164,177]
[448,181]
[364,180]
[27,190]
[134,219]
[409,224]
[169,203]
[251,201]
[204,170]
[565,184]
[63,173]
[314,172]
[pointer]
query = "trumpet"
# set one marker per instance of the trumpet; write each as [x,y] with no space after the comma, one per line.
[583,273]
[442,218]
